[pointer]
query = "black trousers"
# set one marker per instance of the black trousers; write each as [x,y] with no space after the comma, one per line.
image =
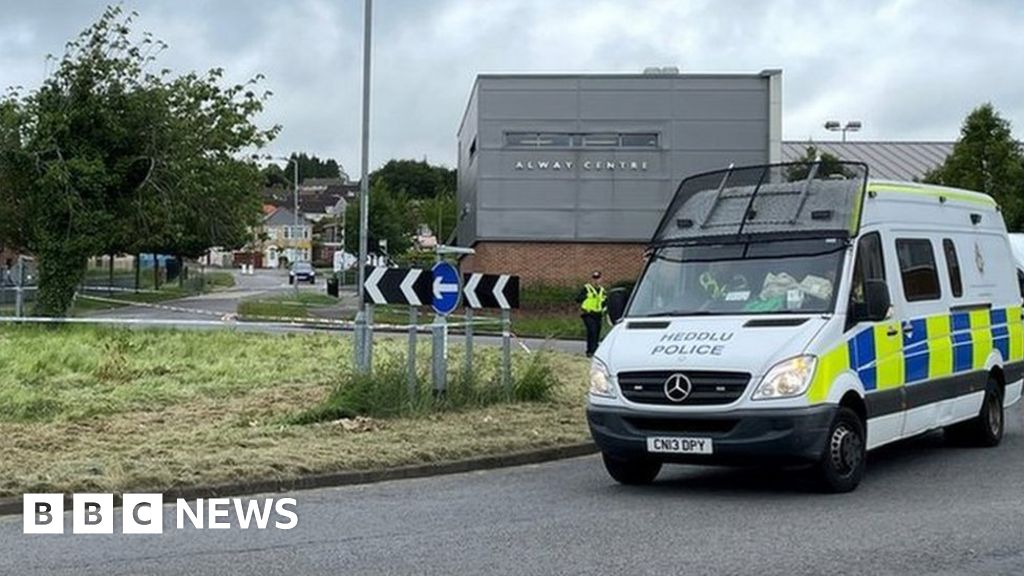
[592,322]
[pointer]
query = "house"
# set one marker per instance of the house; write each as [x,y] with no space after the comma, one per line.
[327,207]
[285,237]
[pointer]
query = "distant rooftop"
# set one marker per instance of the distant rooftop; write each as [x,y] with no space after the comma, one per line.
[906,161]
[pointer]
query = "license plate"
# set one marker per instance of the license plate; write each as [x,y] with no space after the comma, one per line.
[676,445]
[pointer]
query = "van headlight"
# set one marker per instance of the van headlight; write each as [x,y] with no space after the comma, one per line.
[787,379]
[601,380]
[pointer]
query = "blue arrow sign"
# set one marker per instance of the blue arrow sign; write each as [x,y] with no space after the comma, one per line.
[447,288]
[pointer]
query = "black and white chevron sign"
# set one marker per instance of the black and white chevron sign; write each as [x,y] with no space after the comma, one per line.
[408,286]
[490,290]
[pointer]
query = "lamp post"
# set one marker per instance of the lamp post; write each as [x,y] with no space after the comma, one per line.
[363,338]
[835,126]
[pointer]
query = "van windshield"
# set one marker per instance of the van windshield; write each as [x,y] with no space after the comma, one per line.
[796,277]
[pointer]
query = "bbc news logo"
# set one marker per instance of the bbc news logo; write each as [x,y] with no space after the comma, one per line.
[144,513]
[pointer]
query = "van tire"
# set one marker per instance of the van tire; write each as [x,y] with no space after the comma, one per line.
[985,429]
[631,471]
[842,464]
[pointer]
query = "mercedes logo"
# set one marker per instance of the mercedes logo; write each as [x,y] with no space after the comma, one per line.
[678,387]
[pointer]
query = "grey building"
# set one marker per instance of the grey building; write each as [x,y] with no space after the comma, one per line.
[562,174]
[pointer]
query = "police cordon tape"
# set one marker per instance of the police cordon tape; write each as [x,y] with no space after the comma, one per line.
[118,289]
[234,319]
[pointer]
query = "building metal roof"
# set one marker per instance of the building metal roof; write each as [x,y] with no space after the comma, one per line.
[905,161]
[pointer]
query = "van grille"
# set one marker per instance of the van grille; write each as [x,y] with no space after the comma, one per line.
[683,425]
[708,388]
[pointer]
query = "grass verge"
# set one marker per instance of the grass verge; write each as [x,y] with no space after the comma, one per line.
[286,304]
[118,410]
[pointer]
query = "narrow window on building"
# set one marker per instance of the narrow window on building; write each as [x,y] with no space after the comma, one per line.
[953,266]
[917,269]
[472,149]
[520,139]
[600,140]
[554,140]
[639,140]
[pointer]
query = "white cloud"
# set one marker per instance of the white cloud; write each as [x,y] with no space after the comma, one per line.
[908,69]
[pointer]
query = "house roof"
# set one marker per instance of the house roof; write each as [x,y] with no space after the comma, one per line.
[283,217]
[317,203]
[311,201]
[348,191]
[320,182]
[906,161]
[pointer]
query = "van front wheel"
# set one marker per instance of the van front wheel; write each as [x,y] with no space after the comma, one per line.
[631,471]
[842,465]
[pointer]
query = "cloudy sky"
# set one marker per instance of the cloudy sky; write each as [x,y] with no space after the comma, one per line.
[909,69]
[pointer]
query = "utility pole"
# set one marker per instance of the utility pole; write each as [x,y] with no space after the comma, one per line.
[295,217]
[363,339]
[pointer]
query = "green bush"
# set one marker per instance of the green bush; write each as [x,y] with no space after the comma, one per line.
[385,393]
[416,259]
[536,380]
[548,296]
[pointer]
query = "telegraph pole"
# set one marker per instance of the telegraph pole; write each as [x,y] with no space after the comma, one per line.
[295,218]
[363,341]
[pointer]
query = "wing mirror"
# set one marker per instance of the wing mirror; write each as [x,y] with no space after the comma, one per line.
[876,301]
[616,304]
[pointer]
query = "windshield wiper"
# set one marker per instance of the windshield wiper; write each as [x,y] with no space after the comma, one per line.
[680,313]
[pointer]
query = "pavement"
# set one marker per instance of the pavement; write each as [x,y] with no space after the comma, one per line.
[923,508]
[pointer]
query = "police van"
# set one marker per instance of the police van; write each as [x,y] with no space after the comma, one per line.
[803,314]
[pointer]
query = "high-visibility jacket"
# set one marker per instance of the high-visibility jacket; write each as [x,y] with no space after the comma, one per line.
[594,301]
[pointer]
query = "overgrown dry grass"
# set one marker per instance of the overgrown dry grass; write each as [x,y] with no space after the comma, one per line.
[109,410]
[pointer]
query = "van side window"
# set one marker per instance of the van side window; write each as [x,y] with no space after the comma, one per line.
[917,269]
[1020,282]
[869,265]
[953,266]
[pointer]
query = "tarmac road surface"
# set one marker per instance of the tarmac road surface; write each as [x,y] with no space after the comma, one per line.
[924,508]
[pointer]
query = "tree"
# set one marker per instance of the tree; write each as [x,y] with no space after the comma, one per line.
[830,164]
[987,159]
[416,178]
[440,213]
[274,176]
[310,166]
[109,156]
[391,219]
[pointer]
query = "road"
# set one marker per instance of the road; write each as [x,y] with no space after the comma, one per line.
[269,282]
[924,508]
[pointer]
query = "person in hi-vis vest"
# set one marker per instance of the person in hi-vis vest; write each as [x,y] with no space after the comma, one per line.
[592,307]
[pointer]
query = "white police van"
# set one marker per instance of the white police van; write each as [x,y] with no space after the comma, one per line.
[804,314]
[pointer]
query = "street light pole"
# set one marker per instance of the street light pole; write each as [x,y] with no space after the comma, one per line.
[363,340]
[851,126]
[295,216]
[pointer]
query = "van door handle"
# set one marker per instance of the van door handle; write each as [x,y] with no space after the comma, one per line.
[892,331]
[908,330]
